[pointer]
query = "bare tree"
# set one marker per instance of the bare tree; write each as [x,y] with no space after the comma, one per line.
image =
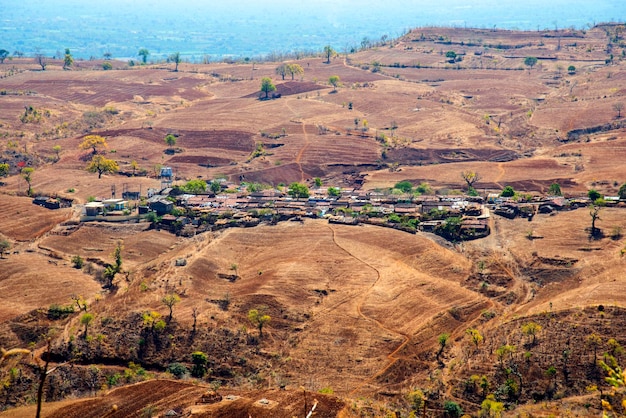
[41,60]
[470,178]
[618,107]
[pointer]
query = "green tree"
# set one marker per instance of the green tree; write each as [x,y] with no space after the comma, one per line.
[68,60]
[555,190]
[294,70]
[86,320]
[3,55]
[416,399]
[112,269]
[508,191]
[571,69]
[153,321]
[27,174]
[216,187]
[334,191]
[177,370]
[298,190]
[267,86]
[259,318]
[451,55]
[95,142]
[78,262]
[170,140]
[593,195]
[475,336]
[195,186]
[318,182]
[443,341]
[100,164]
[334,81]
[503,351]
[199,360]
[329,52]
[491,408]
[404,186]
[143,53]
[452,409]
[531,329]
[4,247]
[621,193]
[106,66]
[175,58]
[4,169]
[170,300]
[57,151]
[530,62]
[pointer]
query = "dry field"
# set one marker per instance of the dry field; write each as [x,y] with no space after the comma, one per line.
[356,310]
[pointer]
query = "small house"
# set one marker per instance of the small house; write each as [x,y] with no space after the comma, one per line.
[94,208]
[115,204]
[160,205]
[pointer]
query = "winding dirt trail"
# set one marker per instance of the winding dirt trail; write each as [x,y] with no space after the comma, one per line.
[301,152]
[391,357]
[306,142]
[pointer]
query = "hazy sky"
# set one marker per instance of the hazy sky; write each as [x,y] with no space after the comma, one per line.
[248,27]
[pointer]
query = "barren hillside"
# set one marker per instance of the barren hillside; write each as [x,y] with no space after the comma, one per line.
[374,318]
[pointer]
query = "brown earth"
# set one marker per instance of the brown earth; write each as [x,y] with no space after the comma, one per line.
[358,310]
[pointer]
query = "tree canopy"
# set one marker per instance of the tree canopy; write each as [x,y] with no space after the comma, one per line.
[298,190]
[195,186]
[68,61]
[267,86]
[258,318]
[530,62]
[334,80]
[100,164]
[94,142]
[143,53]
[3,55]
[170,140]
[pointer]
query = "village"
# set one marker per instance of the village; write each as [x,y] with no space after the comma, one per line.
[456,217]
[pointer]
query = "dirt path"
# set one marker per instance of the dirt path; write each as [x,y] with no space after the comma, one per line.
[299,156]
[304,147]
[391,357]
[501,173]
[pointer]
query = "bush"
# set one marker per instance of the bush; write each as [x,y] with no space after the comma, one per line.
[199,360]
[452,409]
[78,262]
[404,186]
[178,370]
[59,312]
[508,191]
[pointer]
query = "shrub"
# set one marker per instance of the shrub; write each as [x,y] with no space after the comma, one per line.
[199,360]
[178,370]
[78,262]
[508,191]
[452,409]
[59,312]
